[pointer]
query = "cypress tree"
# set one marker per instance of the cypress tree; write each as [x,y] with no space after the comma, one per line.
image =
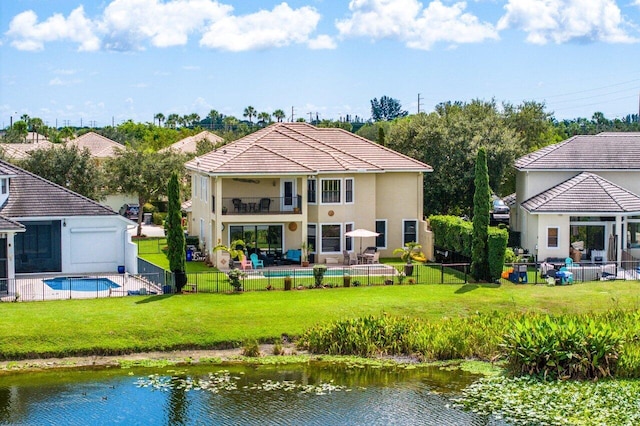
[481,216]
[175,235]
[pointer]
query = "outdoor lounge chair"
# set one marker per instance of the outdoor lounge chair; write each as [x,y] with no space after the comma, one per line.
[245,264]
[257,263]
[375,258]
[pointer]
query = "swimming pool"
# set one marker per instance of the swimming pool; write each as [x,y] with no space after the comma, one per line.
[80,283]
[337,272]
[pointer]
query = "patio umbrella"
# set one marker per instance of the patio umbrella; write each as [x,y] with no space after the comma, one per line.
[361,233]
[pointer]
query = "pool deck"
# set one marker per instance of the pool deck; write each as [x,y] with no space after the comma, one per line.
[33,288]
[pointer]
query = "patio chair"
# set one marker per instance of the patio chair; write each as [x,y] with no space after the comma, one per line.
[245,264]
[375,258]
[345,257]
[238,205]
[353,258]
[257,263]
[264,204]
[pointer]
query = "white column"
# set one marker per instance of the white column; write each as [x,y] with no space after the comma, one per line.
[619,233]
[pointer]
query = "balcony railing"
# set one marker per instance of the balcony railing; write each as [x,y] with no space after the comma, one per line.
[262,205]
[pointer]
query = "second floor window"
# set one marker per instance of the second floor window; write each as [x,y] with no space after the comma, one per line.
[331,191]
[312,188]
[348,190]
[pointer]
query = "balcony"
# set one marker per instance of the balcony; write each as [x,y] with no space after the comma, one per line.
[261,205]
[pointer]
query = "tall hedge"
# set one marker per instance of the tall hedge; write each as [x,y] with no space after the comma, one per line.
[455,234]
[481,215]
[175,233]
[497,246]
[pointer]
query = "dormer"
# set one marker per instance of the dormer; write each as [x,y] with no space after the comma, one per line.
[5,181]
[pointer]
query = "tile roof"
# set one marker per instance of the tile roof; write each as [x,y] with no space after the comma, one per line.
[510,199]
[19,151]
[33,196]
[189,144]
[584,193]
[302,148]
[604,151]
[7,225]
[98,145]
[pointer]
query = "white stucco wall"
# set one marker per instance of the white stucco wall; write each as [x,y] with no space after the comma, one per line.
[97,244]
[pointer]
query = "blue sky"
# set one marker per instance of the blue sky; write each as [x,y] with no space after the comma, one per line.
[113,60]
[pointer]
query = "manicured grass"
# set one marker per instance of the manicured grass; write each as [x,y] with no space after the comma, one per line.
[132,324]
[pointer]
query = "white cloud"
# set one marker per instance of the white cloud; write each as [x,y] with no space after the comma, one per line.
[29,34]
[130,25]
[416,26]
[323,42]
[562,21]
[279,27]
[60,82]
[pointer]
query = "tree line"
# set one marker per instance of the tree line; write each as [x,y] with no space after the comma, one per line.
[448,139]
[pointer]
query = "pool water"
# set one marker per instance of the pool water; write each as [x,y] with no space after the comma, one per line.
[337,272]
[80,283]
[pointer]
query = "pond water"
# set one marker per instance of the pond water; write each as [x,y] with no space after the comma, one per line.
[298,394]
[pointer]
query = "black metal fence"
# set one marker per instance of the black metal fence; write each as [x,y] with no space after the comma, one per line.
[80,287]
[568,273]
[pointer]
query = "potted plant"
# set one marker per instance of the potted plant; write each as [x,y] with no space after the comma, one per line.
[304,253]
[407,254]
[287,282]
[346,279]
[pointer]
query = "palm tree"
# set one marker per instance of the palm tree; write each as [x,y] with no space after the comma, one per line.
[264,118]
[249,112]
[172,120]
[193,119]
[160,117]
[279,115]
[230,122]
[213,116]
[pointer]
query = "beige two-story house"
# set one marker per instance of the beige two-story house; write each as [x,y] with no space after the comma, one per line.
[582,191]
[293,182]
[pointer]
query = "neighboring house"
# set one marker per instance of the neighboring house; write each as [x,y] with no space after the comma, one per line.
[20,151]
[582,191]
[189,145]
[99,147]
[293,182]
[102,148]
[46,228]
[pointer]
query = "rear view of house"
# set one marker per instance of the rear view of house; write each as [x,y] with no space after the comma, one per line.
[291,183]
[46,228]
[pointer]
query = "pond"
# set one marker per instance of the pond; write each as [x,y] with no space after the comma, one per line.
[298,394]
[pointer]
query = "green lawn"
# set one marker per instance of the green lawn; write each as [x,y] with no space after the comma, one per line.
[131,324]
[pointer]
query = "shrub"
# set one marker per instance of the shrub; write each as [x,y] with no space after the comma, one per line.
[497,245]
[250,348]
[158,218]
[577,347]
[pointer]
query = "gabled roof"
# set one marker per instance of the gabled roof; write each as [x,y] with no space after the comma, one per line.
[189,144]
[584,193]
[33,196]
[19,151]
[300,148]
[605,151]
[98,145]
[8,225]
